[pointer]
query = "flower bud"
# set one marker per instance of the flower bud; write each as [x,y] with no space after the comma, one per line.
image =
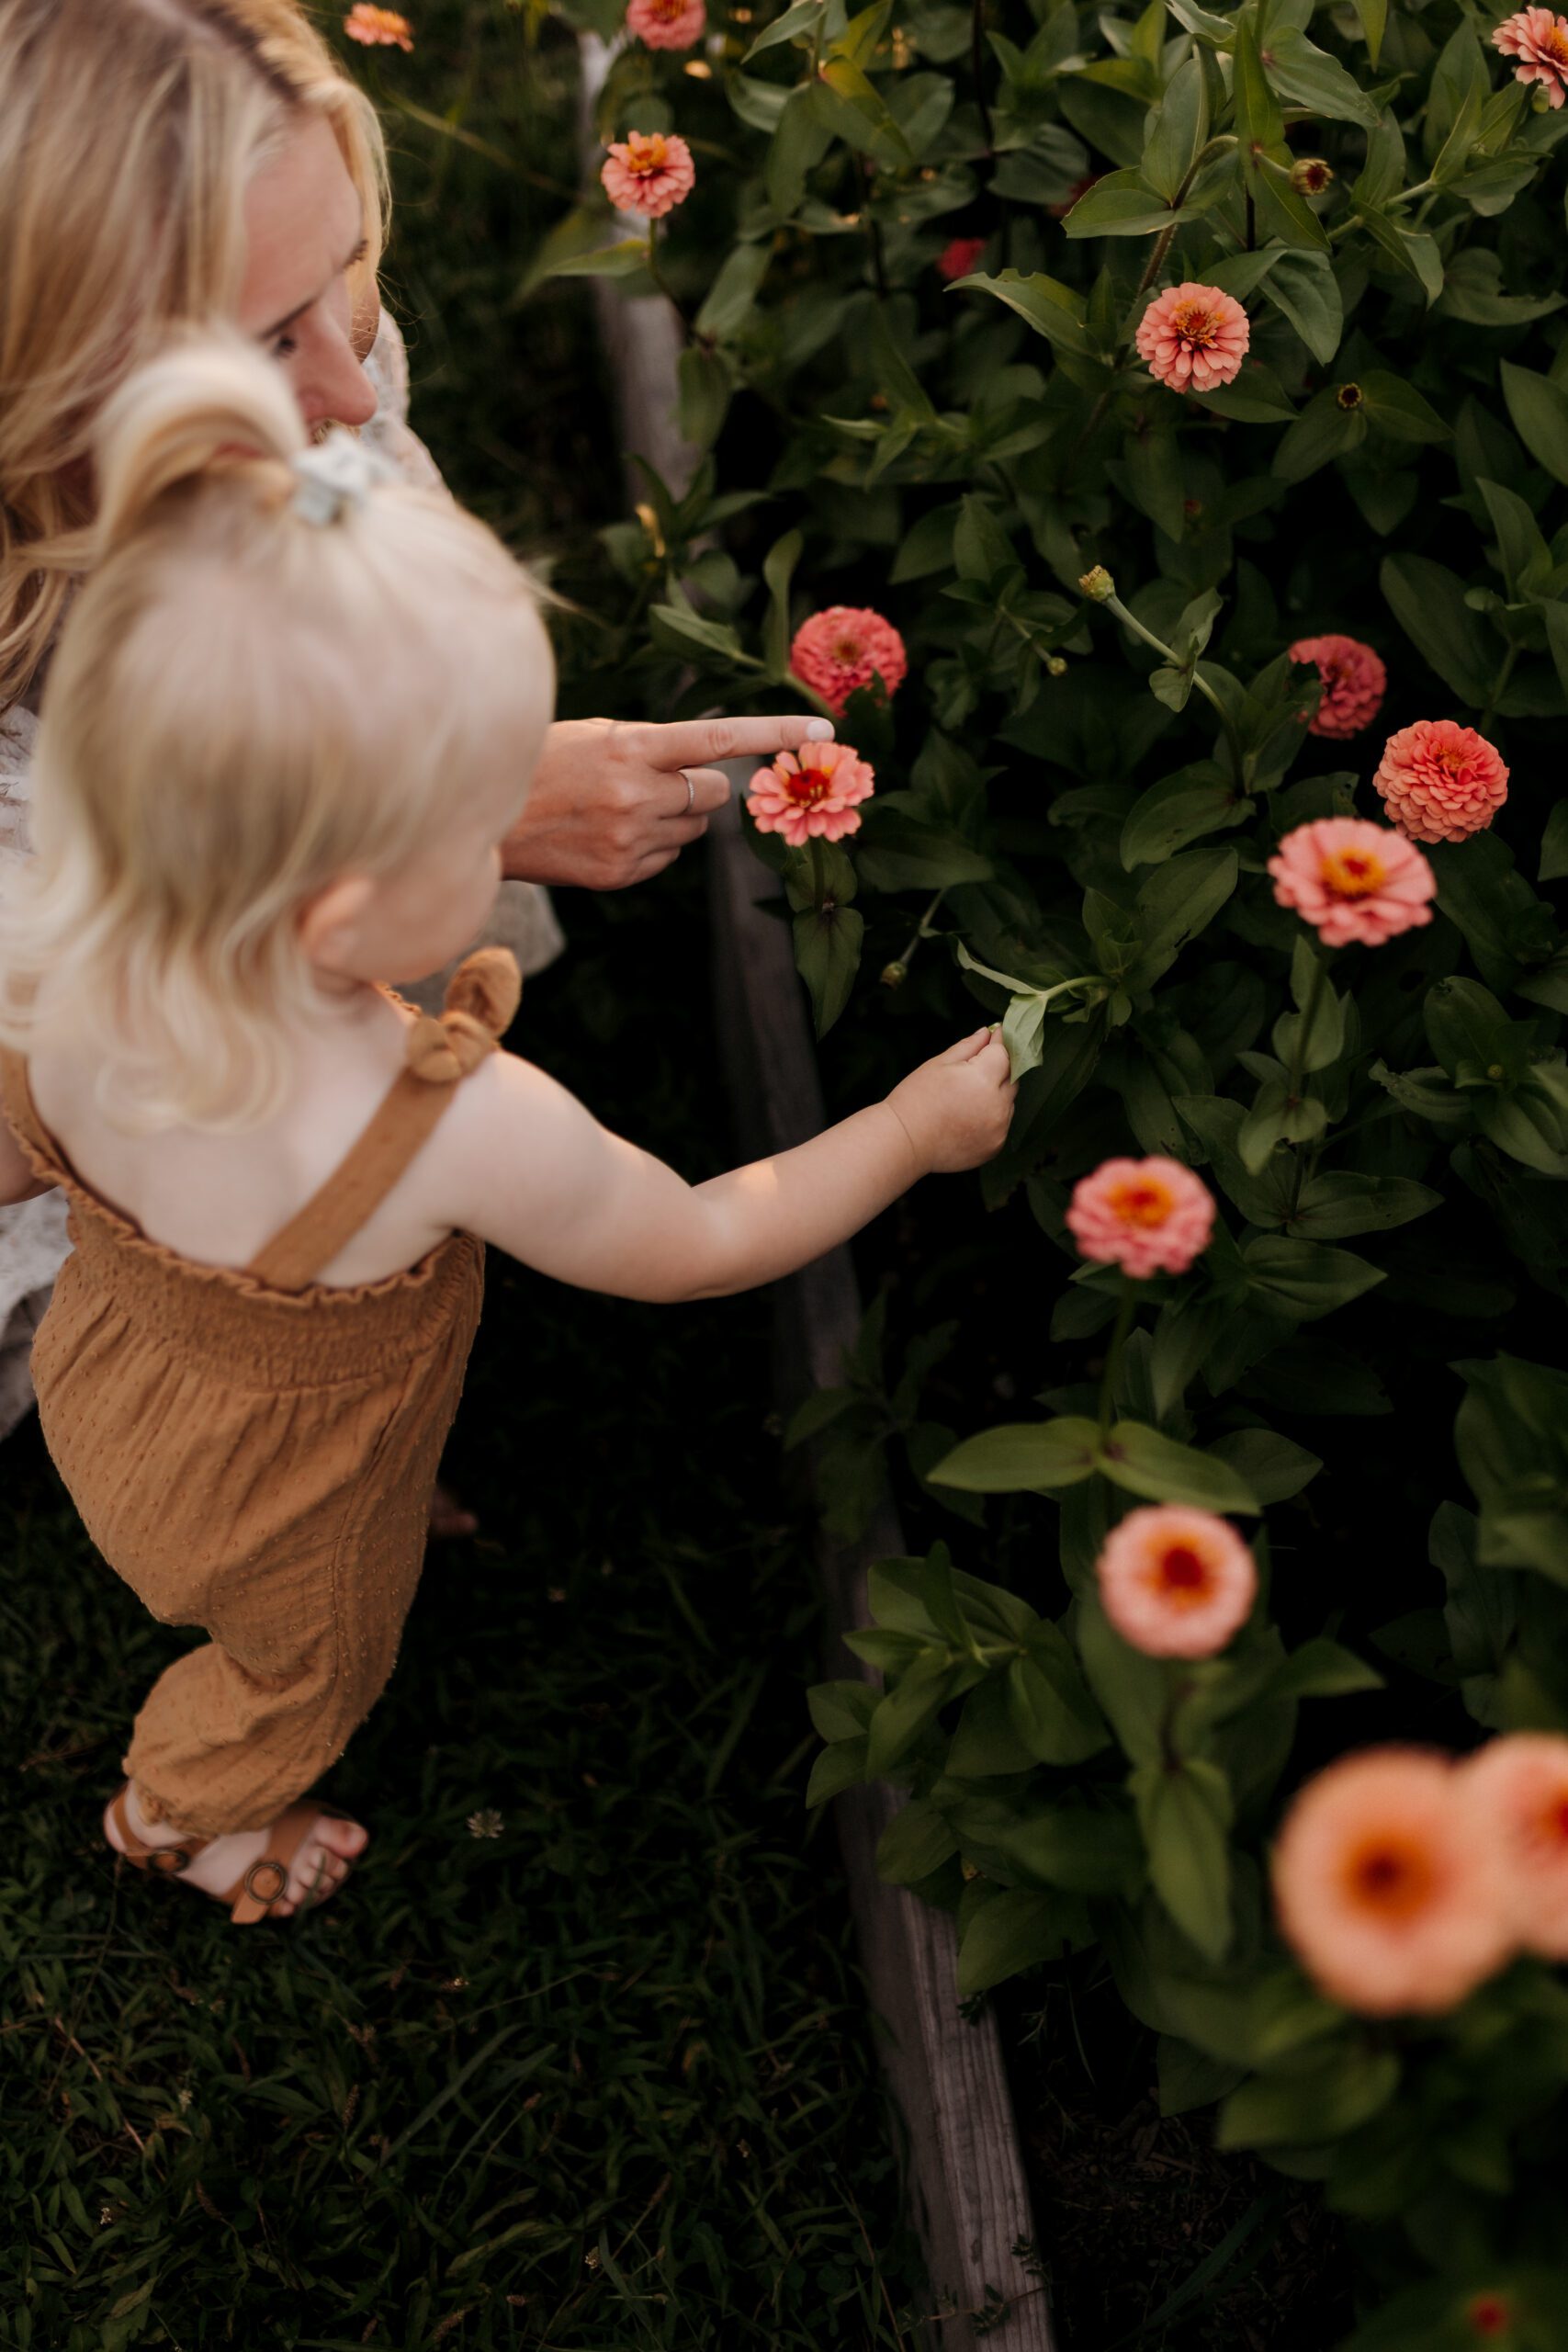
[1311,175]
[894,975]
[1350,396]
[1054,666]
[1540,99]
[1097,585]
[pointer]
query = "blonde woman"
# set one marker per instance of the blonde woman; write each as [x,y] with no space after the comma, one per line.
[166,160]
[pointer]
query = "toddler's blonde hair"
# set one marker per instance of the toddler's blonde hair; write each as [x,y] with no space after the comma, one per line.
[244,706]
[130,132]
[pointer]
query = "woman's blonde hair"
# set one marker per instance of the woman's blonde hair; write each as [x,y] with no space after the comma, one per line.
[245,706]
[130,130]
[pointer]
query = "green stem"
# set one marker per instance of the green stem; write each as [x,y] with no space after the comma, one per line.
[1298,1057]
[1124,1313]
[978,64]
[922,929]
[1232,740]
[1499,685]
[818,879]
[662,282]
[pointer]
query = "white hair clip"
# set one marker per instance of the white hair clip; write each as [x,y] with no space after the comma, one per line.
[337,475]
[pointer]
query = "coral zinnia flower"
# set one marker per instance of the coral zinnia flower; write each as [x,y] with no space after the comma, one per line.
[667,24]
[1176,1583]
[1440,781]
[812,794]
[1194,338]
[1489,2314]
[1540,41]
[845,648]
[377,27]
[648,173]
[960,258]
[1352,880]
[1520,1784]
[1354,682]
[1389,1888]
[1150,1217]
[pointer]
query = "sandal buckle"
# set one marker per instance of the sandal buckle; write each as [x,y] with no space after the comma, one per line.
[168,1861]
[266,1864]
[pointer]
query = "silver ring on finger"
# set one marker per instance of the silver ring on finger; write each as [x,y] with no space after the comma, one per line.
[691,789]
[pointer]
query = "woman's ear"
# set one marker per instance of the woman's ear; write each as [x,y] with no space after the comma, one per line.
[332,923]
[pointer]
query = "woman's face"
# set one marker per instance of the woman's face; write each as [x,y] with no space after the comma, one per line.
[303,233]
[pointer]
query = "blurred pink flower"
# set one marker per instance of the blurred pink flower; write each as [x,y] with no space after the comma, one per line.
[377,27]
[1520,1786]
[1149,1216]
[1079,188]
[649,172]
[1388,1887]
[1440,781]
[1352,880]
[812,794]
[667,24]
[1489,2314]
[1538,39]
[1176,1583]
[1354,682]
[960,258]
[845,648]
[1194,338]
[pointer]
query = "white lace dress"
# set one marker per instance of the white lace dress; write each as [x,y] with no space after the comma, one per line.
[32,1235]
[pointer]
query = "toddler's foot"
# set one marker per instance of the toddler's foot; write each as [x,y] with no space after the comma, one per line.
[449,1516]
[321,1862]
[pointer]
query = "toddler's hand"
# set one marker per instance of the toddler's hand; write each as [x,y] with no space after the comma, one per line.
[957,1109]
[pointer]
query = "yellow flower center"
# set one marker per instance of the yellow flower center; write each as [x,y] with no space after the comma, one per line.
[1141,1202]
[1197,325]
[646,153]
[1352,873]
[1556,41]
[847,650]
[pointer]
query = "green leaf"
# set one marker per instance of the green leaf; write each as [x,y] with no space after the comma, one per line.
[1179,810]
[842,1710]
[1015,1930]
[1270,1467]
[1020,1457]
[1145,1463]
[1120,205]
[1427,601]
[1259,125]
[827,956]
[799,23]
[705,390]
[1180,899]
[838,1768]
[1324,430]
[1333,1208]
[626,259]
[915,1842]
[1181,126]
[904,1712]
[1373,14]
[1303,1279]
[1051,309]
[1049,1708]
[898,852]
[728,301]
[1320,1669]
[1303,285]
[1397,408]
[1303,72]
[1539,412]
[984,1744]
[778,567]
[1132,1690]
[1184,1814]
[1335,2092]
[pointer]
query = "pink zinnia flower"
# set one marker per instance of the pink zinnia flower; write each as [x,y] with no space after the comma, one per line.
[377,27]
[960,258]
[1389,1888]
[1194,338]
[1539,40]
[667,24]
[648,173]
[1520,1785]
[1150,1217]
[1354,682]
[845,648]
[1176,1583]
[812,794]
[1079,188]
[1489,2314]
[1352,880]
[1440,781]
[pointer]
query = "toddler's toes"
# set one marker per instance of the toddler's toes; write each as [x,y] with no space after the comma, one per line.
[322,1863]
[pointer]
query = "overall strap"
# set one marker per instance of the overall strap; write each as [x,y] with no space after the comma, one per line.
[480,1003]
[20,1114]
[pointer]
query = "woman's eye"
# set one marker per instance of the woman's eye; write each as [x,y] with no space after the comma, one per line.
[284,347]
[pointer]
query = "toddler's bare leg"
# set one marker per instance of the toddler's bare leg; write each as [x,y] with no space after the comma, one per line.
[319,1866]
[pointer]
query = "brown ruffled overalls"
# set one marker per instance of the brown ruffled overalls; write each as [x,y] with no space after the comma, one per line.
[254,1453]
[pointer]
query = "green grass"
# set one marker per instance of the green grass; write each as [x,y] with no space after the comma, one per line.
[602,2080]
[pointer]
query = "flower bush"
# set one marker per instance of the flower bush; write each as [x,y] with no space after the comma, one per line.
[1181,389]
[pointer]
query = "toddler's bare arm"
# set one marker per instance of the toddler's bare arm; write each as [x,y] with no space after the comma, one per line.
[542,1180]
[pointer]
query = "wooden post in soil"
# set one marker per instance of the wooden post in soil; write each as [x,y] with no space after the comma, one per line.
[968,2194]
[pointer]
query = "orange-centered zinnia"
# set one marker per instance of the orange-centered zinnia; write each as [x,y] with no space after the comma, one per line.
[1352,873]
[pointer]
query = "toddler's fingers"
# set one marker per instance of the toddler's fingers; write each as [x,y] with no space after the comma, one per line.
[994,1060]
[966,1047]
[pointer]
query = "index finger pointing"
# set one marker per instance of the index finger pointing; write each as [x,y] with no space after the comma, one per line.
[698,742]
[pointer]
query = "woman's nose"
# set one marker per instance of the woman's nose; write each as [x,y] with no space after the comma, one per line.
[338,390]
